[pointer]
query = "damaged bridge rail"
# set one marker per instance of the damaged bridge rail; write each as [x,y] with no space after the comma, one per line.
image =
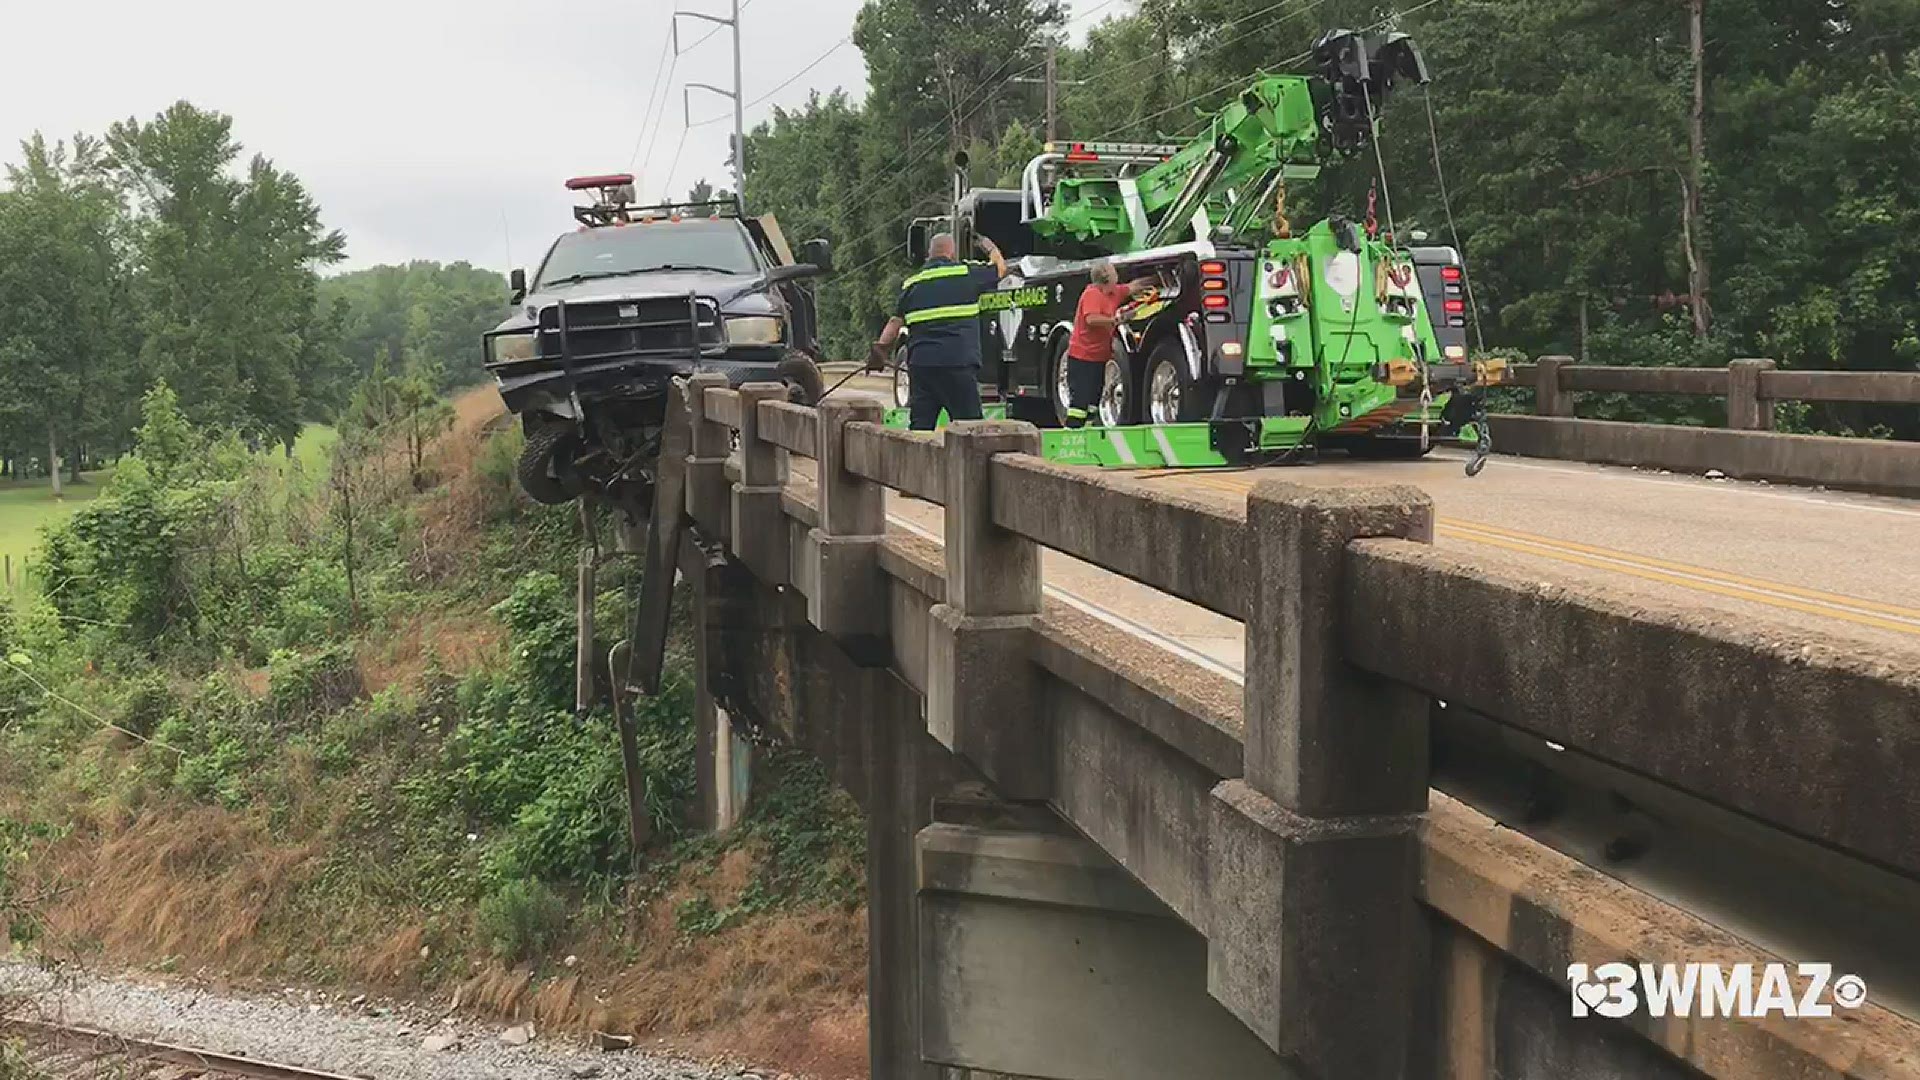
[1091,858]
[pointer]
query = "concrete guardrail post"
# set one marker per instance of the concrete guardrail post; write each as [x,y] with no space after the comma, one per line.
[848,595]
[1312,932]
[1746,409]
[760,533]
[1548,398]
[982,688]
[708,493]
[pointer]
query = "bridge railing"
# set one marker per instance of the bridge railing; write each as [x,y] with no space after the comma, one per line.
[1750,387]
[1354,625]
[1747,448]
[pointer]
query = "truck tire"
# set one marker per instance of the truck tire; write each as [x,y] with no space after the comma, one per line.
[902,378]
[1171,395]
[541,463]
[805,384]
[1057,381]
[1119,404]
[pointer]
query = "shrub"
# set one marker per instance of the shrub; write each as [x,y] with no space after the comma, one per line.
[147,701]
[301,686]
[522,919]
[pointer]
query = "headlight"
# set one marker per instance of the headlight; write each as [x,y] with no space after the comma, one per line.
[507,347]
[755,330]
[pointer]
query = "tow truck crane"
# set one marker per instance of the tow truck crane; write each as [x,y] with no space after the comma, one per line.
[1257,343]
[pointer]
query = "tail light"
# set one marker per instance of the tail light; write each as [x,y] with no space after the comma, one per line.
[1456,307]
[1215,302]
[1451,274]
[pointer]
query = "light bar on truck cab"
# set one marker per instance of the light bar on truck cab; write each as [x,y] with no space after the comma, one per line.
[588,183]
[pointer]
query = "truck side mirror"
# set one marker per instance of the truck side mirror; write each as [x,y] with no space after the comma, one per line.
[819,252]
[517,281]
[917,243]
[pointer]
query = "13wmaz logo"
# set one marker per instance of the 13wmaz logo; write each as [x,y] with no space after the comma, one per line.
[1617,990]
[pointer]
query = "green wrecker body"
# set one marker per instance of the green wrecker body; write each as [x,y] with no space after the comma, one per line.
[1256,341]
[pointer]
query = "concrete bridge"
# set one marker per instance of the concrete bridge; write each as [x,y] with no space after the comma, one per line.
[1323,773]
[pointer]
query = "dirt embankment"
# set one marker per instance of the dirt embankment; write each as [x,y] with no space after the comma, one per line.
[266,894]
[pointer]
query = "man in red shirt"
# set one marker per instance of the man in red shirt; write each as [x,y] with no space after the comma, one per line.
[1091,345]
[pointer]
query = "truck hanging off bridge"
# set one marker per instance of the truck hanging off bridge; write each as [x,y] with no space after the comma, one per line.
[1255,343]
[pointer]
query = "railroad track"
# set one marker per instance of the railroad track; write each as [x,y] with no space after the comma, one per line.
[64,1052]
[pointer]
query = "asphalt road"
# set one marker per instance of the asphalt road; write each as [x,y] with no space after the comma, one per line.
[1825,562]
[1830,562]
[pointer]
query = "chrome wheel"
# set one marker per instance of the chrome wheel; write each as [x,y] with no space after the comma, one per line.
[902,383]
[1062,389]
[1163,394]
[1113,395]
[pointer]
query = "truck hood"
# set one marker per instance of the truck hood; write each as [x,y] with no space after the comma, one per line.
[737,294]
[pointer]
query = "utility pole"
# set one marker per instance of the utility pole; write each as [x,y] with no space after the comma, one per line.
[1053,93]
[1053,84]
[739,100]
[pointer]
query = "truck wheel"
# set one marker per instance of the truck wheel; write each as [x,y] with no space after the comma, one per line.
[1117,405]
[805,385]
[549,452]
[1172,395]
[1060,395]
[902,379]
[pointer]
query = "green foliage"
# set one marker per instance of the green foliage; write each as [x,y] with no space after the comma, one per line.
[812,842]
[1563,127]
[418,316]
[65,332]
[522,918]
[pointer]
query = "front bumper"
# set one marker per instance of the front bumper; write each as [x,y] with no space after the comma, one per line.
[532,385]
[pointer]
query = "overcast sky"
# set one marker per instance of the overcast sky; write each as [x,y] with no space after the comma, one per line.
[426,129]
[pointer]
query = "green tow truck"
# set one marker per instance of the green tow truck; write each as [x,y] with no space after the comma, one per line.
[1256,344]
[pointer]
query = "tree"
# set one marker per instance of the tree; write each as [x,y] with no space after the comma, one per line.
[228,283]
[422,312]
[64,323]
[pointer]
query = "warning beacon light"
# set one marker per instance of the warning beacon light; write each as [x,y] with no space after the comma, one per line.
[613,195]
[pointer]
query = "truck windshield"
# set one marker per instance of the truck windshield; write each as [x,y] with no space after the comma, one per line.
[717,246]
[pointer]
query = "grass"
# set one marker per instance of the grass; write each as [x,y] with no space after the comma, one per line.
[28,506]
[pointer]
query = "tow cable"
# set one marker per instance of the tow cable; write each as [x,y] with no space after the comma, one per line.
[844,381]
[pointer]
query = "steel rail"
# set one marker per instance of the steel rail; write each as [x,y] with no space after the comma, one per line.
[160,1053]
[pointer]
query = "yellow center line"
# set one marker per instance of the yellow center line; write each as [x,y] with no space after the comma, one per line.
[1816,595]
[1736,592]
[1883,616]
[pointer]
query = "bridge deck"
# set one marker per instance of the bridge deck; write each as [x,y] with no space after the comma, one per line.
[1833,563]
[1837,562]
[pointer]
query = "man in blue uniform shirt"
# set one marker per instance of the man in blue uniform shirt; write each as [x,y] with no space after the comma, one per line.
[940,306]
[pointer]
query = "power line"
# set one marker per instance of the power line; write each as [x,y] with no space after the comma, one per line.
[666,193]
[791,79]
[661,72]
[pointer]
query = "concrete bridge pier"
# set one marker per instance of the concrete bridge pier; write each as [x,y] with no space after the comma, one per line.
[1040,957]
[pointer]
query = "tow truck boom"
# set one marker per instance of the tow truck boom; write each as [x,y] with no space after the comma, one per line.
[1279,128]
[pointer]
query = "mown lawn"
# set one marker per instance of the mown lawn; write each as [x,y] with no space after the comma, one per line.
[27,506]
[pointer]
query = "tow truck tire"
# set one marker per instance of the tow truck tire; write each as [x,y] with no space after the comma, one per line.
[902,378]
[540,465]
[805,384]
[1057,380]
[1170,394]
